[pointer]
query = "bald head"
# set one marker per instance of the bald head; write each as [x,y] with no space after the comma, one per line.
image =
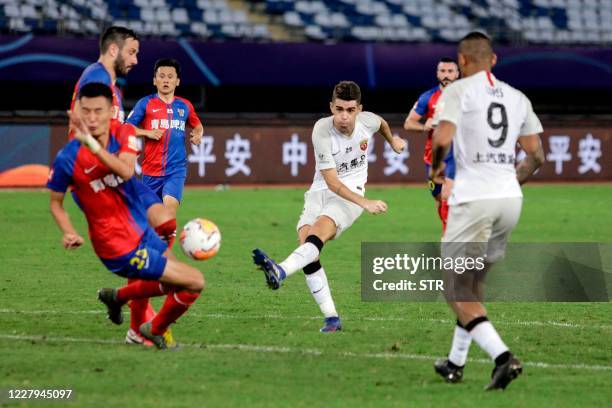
[476,47]
[475,53]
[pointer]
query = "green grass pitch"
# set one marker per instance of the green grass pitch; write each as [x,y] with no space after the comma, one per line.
[248,346]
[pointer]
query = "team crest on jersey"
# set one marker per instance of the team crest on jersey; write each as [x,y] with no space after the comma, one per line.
[363,145]
[181,112]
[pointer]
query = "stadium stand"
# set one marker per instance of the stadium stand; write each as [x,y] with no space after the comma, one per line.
[509,21]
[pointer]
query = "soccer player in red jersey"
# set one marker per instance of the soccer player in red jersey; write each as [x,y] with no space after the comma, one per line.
[99,164]
[119,48]
[161,118]
[423,110]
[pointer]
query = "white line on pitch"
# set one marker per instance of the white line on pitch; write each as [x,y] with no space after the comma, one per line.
[296,350]
[344,317]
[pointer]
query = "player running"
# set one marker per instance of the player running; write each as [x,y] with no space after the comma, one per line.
[336,197]
[424,109]
[161,118]
[99,164]
[484,118]
[119,48]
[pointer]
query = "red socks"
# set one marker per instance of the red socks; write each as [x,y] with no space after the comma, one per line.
[139,289]
[175,305]
[167,231]
[443,213]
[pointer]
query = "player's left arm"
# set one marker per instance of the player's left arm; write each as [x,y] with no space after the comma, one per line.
[529,139]
[532,145]
[197,129]
[397,143]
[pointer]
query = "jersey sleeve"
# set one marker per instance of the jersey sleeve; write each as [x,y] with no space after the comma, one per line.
[420,106]
[193,119]
[127,139]
[137,114]
[532,124]
[60,176]
[321,141]
[448,107]
[371,121]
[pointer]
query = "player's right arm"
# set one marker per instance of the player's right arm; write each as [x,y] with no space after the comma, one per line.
[59,180]
[70,238]
[326,164]
[531,144]
[136,117]
[413,120]
[337,186]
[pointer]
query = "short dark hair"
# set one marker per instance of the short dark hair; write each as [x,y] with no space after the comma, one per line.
[447,60]
[95,89]
[476,46]
[347,91]
[168,62]
[115,35]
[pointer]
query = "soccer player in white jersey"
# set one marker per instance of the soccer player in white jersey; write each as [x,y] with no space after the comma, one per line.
[484,118]
[336,197]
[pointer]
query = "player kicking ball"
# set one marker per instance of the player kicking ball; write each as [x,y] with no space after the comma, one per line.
[336,197]
[99,165]
[161,118]
[484,118]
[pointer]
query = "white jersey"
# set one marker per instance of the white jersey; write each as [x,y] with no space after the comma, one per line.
[489,115]
[348,154]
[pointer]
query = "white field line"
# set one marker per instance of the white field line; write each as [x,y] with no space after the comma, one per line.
[550,323]
[296,350]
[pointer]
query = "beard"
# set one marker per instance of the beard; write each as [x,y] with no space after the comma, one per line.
[121,68]
[444,82]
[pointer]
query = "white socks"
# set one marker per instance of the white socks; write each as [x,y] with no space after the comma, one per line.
[302,256]
[485,335]
[460,347]
[317,283]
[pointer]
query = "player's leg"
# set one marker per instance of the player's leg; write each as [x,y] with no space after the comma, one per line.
[462,229]
[323,229]
[159,274]
[164,224]
[313,203]
[503,216]
[316,280]
[172,192]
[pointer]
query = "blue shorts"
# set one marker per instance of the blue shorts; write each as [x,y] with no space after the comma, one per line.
[171,185]
[147,196]
[146,261]
[449,172]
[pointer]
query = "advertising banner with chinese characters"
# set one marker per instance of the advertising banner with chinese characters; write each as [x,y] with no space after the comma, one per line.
[283,154]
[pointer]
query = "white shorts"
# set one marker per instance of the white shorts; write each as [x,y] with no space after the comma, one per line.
[484,225]
[324,202]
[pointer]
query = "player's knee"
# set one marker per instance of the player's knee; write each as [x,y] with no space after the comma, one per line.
[312,267]
[197,282]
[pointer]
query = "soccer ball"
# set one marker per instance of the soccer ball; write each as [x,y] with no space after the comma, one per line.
[200,239]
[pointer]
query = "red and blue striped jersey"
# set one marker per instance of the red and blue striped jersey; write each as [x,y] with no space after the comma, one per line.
[97,73]
[168,154]
[116,216]
[426,106]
